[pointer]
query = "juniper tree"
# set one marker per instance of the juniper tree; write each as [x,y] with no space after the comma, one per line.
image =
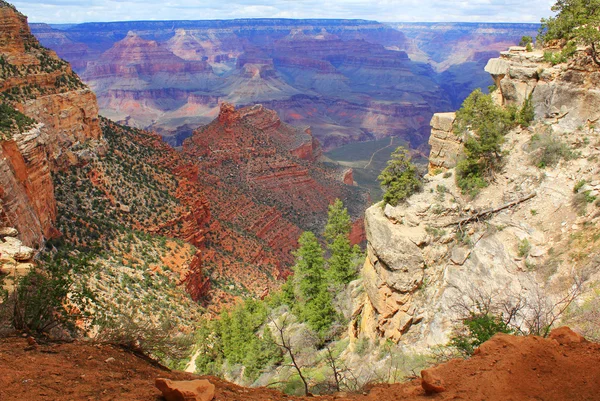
[400,178]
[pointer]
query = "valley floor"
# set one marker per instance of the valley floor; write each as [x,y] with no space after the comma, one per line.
[505,368]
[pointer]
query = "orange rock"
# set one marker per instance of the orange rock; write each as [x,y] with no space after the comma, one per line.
[431,383]
[564,335]
[192,390]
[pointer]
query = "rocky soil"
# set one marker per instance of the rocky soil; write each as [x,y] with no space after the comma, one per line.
[556,369]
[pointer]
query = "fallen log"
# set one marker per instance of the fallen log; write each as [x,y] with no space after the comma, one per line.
[490,211]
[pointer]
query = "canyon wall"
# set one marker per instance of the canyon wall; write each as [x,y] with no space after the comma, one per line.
[349,80]
[228,209]
[432,255]
[38,84]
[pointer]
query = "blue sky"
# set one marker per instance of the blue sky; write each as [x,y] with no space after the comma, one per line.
[73,11]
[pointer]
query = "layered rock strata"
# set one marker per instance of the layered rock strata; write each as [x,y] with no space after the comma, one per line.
[43,87]
[445,145]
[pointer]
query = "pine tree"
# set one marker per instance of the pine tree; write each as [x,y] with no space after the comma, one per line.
[319,313]
[340,263]
[338,222]
[309,270]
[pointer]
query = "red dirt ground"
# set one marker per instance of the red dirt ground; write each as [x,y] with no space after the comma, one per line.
[506,368]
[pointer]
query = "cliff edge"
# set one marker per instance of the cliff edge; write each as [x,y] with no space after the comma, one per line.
[526,241]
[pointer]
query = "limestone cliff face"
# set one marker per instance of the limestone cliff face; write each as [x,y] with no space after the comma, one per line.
[40,85]
[566,94]
[445,145]
[422,264]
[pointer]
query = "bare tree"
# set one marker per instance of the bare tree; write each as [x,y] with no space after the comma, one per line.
[533,312]
[286,344]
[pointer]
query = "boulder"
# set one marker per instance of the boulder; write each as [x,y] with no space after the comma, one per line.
[431,383]
[8,232]
[497,67]
[564,335]
[189,390]
[13,248]
[443,121]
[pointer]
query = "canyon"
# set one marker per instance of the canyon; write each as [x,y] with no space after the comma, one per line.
[349,80]
[156,240]
[231,205]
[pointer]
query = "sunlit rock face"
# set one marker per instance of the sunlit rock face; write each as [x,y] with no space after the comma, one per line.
[37,83]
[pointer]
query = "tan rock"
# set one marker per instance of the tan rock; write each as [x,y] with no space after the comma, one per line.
[8,232]
[445,145]
[443,121]
[192,390]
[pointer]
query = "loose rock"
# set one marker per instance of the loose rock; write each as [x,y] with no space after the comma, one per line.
[192,390]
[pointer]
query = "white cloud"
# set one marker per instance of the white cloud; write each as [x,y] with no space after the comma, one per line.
[75,11]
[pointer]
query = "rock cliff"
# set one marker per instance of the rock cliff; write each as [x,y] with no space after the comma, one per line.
[38,84]
[528,236]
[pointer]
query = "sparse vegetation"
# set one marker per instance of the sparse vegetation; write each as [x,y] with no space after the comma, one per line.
[561,56]
[487,313]
[49,300]
[547,151]
[12,122]
[523,248]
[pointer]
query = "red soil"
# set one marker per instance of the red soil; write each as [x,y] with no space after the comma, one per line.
[505,368]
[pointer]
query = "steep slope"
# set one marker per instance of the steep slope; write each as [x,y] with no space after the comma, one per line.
[142,213]
[532,252]
[505,368]
[39,85]
[266,188]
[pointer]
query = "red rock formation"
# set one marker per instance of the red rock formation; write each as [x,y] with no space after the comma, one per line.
[266,189]
[348,178]
[40,85]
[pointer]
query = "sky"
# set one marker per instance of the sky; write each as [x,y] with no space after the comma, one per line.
[76,11]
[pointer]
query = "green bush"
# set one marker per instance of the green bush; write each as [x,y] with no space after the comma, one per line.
[526,114]
[477,329]
[526,40]
[524,248]
[562,56]
[47,298]
[483,124]
[400,179]
[12,121]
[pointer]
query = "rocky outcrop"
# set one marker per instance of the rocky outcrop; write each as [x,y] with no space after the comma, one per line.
[567,94]
[252,150]
[43,87]
[437,252]
[16,259]
[445,145]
